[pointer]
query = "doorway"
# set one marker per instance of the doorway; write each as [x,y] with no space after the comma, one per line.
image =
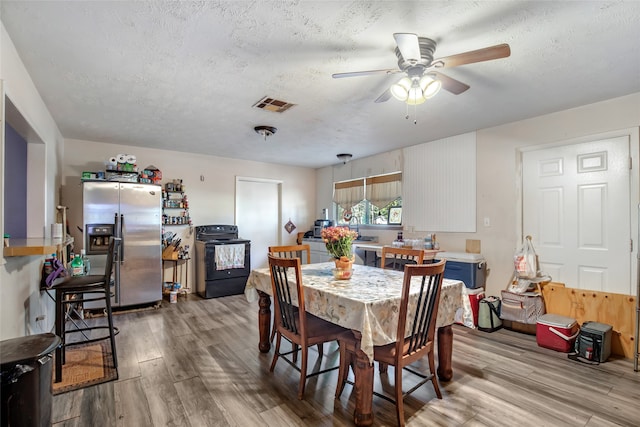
[576,204]
[258,207]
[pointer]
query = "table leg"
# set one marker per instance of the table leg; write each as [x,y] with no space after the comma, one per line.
[445,351]
[363,414]
[264,321]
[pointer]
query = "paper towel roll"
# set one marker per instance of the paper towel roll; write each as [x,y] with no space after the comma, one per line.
[56,231]
[122,158]
[131,160]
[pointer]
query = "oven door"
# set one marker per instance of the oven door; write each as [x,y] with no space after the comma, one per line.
[211,270]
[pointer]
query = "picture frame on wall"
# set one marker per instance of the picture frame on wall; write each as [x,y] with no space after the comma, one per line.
[395,215]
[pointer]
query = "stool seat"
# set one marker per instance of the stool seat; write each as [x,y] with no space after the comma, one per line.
[80,282]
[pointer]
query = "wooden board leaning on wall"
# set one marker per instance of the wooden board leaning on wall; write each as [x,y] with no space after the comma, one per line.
[616,310]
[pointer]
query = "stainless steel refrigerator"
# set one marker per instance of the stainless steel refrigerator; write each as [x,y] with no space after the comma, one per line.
[132,212]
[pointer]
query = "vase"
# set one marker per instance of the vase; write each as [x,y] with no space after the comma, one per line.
[344,268]
[344,262]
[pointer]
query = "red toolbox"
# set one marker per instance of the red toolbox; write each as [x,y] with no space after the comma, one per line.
[556,332]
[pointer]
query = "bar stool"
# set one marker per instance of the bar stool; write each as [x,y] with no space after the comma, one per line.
[78,289]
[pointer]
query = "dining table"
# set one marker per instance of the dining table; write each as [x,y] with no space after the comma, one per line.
[367,304]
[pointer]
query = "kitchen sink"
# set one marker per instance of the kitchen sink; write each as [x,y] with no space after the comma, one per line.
[367,239]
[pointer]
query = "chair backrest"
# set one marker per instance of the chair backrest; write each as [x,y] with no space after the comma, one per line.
[112,252]
[397,258]
[421,321]
[292,251]
[285,292]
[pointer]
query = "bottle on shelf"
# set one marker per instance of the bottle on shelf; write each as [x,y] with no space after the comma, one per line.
[77,266]
[85,261]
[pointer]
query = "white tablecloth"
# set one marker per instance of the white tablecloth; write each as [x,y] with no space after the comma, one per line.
[367,303]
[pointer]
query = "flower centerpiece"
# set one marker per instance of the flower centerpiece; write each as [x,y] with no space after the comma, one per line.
[338,241]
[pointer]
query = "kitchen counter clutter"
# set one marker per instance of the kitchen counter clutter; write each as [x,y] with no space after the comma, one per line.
[367,252]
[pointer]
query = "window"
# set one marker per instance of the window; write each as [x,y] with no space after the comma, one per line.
[367,200]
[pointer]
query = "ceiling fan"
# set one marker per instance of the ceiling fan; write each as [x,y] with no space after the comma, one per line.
[422,81]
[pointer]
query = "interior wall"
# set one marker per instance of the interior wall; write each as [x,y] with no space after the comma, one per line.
[22,301]
[498,175]
[499,187]
[208,181]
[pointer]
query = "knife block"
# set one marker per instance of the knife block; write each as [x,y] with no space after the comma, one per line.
[170,253]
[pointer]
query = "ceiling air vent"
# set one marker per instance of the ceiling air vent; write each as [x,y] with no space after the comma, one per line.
[271,104]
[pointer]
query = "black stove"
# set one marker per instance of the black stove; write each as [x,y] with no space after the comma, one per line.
[218,234]
[212,278]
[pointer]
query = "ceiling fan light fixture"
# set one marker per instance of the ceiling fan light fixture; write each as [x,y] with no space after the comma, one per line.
[400,90]
[415,94]
[429,86]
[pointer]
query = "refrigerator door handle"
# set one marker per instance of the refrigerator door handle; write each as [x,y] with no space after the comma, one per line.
[121,238]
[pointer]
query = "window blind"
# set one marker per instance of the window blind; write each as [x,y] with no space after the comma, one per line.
[383,189]
[347,194]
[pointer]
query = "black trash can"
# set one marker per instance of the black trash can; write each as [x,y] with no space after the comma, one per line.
[25,373]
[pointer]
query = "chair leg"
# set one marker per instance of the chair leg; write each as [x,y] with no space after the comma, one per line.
[276,352]
[294,356]
[399,401]
[60,333]
[383,367]
[303,371]
[320,350]
[432,371]
[112,335]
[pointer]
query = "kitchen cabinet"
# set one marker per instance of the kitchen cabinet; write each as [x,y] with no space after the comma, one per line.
[318,250]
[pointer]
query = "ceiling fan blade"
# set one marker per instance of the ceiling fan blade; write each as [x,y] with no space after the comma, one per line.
[408,46]
[364,73]
[485,54]
[452,85]
[384,97]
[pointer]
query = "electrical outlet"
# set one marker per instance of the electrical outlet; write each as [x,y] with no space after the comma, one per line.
[487,221]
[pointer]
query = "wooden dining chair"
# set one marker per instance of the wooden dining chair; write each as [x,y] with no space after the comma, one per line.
[292,251]
[416,322]
[292,321]
[397,258]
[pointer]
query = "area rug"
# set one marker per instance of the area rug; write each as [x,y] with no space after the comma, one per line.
[87,365]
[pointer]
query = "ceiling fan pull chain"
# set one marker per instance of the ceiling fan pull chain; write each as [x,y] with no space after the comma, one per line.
[406,116]
[415,115]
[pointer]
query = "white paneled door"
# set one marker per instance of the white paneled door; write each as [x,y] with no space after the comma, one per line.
[257,216]
[576,207]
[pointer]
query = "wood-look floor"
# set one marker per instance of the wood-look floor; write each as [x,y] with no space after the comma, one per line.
[196,363]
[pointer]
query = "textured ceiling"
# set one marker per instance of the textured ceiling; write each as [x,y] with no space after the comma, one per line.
[185,75]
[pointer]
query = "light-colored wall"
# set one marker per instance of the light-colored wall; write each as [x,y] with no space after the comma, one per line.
[498,186]
[498,179]
[20,301]
[211,201]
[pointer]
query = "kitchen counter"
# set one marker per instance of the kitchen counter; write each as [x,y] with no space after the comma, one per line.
[37,246]
[371,252]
